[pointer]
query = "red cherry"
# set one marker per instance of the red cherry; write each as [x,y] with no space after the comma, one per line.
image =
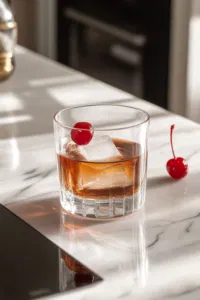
[177,167]
[82,133]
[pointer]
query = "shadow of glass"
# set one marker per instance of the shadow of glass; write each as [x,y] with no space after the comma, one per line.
[43,213]
[159,181]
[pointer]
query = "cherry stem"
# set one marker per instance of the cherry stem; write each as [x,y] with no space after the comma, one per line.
[171,142]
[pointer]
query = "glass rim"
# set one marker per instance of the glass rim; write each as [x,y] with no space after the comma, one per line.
[105,129]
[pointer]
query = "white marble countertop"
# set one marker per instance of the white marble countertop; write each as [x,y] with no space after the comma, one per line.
[153,254]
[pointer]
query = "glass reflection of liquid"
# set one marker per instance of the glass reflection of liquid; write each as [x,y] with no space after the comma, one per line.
[72,273]
[117,247]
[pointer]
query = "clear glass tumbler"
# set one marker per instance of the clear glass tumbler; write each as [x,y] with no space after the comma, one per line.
[107,177]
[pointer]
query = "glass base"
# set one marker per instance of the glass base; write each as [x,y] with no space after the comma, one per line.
[100,209]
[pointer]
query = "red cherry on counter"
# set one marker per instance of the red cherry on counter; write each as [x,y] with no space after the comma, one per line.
[177,167]
[82,133]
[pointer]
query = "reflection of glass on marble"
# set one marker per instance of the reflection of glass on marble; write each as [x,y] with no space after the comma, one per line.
[116,249]
[136,266]
[140,254]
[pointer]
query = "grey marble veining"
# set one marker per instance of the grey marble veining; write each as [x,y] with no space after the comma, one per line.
[153,254]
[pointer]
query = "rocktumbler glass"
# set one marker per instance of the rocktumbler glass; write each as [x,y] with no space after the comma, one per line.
[107,177]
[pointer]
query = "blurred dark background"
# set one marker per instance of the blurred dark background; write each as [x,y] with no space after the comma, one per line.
[139,46]
[122,42]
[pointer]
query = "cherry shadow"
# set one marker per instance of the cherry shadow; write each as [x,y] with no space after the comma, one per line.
[159,181]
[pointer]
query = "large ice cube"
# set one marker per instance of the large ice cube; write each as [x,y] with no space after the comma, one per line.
[100,178]
[101,148]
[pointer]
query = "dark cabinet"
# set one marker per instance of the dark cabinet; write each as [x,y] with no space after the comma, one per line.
[124,43]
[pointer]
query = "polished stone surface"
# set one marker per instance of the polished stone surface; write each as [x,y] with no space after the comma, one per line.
[153,254]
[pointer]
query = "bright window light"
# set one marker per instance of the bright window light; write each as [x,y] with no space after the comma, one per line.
[15,119]
[10,102]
